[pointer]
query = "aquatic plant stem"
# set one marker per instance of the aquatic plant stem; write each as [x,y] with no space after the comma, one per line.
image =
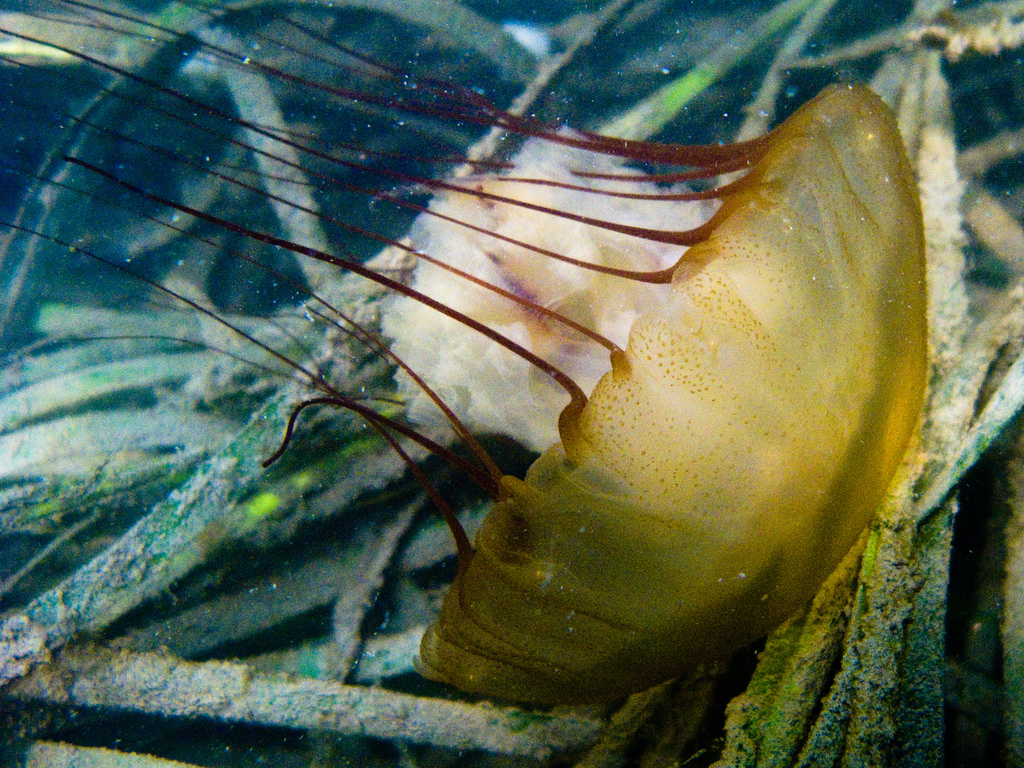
[161,684]
[660,108]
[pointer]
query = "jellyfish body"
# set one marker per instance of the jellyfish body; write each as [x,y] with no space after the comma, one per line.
[735,450]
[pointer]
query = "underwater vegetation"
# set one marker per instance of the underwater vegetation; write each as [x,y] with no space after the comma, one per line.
[220,223]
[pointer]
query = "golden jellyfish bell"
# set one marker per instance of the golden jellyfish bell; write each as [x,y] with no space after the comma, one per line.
[737,447]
